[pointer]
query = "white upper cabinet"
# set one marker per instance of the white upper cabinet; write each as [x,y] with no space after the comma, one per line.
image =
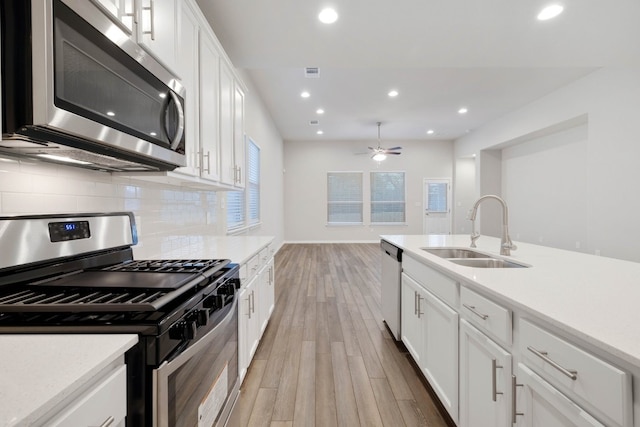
[121,11]
[153,24]
[238,137]
[209,109]
[157,28]
[227,172]
[188,34]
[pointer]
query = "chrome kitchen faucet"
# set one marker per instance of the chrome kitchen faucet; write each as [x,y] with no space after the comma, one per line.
[505,243]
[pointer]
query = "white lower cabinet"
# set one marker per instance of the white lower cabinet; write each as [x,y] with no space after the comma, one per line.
[256,301]
[248,324]
[103,404]
[485,380]
[430,333]
[539,404]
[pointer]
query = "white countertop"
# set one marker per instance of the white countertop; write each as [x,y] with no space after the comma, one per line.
[38,372]
[593,298]
[236,248]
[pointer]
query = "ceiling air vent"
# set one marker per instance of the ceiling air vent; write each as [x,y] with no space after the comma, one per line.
[314,122]
[312,72]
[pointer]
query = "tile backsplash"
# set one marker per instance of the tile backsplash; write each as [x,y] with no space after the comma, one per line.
[163,213]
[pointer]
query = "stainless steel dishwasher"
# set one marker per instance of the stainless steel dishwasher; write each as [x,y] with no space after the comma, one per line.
[390,293]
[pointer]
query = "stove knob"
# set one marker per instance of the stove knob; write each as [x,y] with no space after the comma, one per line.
[183,330]
[227,289]
[213,302]
[202,317]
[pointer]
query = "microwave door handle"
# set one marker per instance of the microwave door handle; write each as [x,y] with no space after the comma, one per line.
[176,140]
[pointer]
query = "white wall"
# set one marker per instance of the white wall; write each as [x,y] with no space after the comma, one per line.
[306,165]
[606,172]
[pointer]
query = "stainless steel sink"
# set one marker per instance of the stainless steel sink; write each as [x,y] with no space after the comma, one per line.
[455,253]
[487,263]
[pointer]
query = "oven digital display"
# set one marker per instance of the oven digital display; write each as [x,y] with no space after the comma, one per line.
[63,231]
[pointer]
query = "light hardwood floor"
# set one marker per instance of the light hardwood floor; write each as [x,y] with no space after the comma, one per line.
[326,358]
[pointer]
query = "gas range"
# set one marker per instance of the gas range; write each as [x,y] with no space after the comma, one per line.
[75,273]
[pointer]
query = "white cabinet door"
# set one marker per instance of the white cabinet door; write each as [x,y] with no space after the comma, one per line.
[157,29]
[227,165]
[120,11]
[539,404]
[485,380]
[248,324]
[441,350]
[267,294]
[103,402]
[238,138]
[209,112]
[188,71]
[411,317]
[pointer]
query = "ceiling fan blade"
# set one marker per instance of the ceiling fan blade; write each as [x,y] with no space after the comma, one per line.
[394,148]
[392,152]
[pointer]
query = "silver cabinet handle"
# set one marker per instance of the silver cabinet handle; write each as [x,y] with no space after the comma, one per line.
[249,305]
[494,380]
[472,308]
[151,31]
[514,411]
[253,302]
[208,157]
[420,312]
[544,356]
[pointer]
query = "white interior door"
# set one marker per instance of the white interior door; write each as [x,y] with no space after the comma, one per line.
[437,206]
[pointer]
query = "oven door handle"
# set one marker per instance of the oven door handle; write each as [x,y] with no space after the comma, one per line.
[162,373]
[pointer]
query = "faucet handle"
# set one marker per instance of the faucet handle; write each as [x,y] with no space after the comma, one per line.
[474,236]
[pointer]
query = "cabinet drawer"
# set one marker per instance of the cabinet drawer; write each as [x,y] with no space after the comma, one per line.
[253,266]
[264,256]
[597,385]
[490,317]
[437,283]
[105,400]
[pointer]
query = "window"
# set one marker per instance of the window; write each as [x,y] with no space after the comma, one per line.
[344,197]
[243,207]
[388,197]
[253,183]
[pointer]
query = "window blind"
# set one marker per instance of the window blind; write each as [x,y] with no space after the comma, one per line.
[253,183]
[388,203]
[344,197]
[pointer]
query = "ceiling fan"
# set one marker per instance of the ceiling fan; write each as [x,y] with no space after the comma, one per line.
[380,153]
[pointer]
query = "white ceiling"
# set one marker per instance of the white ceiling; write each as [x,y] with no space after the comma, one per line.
[491,56]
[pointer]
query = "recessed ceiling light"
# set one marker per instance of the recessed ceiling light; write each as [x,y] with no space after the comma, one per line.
[430,132]
[550,11]
[319,111]
[110,113]
[305,94]
[463,110]
[320,132]
[328,16]
[393,93]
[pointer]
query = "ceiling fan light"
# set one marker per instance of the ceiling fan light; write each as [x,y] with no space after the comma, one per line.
[378,157]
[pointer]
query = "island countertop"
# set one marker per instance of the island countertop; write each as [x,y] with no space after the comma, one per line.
[591,297]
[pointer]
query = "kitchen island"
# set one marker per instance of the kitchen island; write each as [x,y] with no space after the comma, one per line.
[568,301]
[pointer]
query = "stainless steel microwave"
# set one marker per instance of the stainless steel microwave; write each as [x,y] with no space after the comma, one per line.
[77,89]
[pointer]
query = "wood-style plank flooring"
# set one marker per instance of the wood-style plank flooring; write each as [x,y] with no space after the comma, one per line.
[326,358]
